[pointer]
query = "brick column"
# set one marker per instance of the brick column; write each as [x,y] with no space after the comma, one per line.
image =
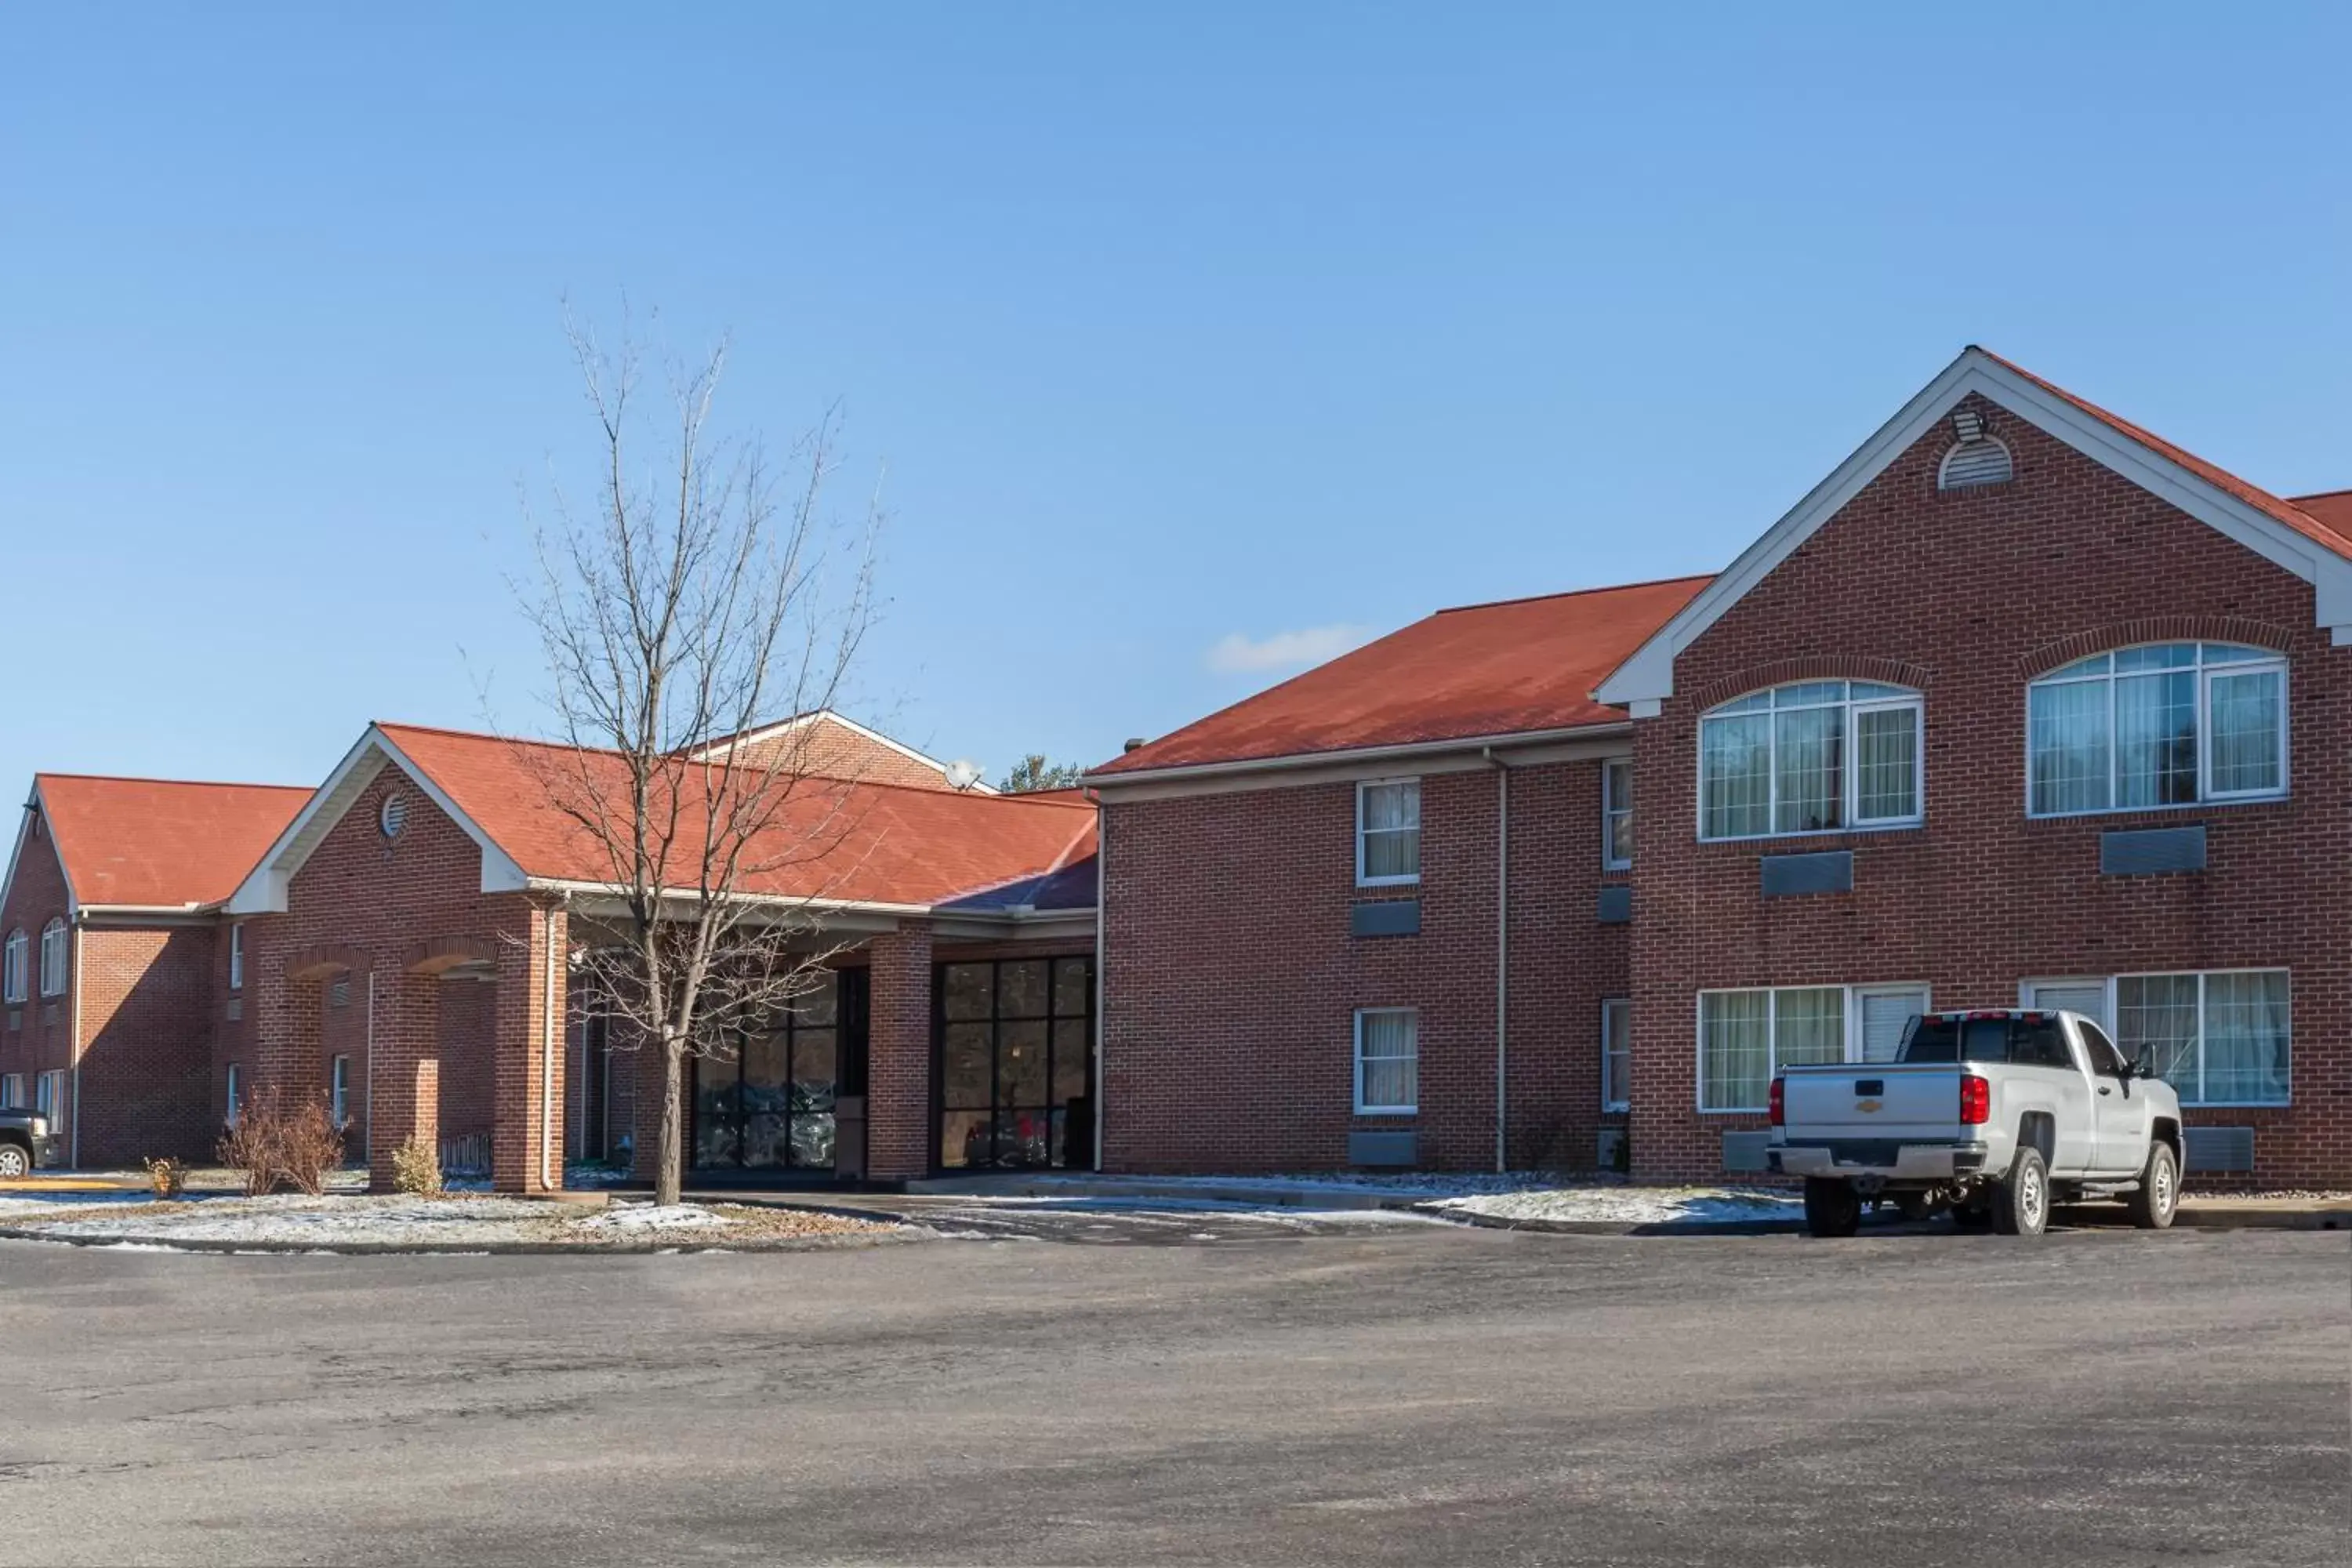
[527,1131]
[899,1137]
[403,1067]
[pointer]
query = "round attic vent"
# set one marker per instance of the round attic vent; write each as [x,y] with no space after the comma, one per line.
[393,816]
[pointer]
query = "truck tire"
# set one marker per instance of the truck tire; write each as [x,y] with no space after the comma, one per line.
[2151,1207]
[2020,1201]
[1833,1207]
[15,1160]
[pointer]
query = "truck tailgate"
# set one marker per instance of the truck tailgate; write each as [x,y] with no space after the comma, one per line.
[1873,1099]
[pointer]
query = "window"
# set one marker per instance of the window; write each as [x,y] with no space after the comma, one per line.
[12,967]
[1746,1038]
[2105,1061]
[1617,814]
[12,1091]
[1388,833]
[49,1093]
[53,959]
[1616,1054]
[1015,1063]
[2219,1038]
[338,1091]
[1387,1061]
[237,958]
[231,1117]
[1813,757]
[2162,724]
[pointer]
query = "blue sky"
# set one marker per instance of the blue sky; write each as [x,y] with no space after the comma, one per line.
[1197,340]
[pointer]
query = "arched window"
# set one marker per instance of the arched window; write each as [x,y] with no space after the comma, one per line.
[2159,724]
[12,967]
[1816,756]
[53,959]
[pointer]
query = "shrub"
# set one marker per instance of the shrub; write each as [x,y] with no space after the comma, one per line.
[416,1167]
[271,1143]
[168,1176]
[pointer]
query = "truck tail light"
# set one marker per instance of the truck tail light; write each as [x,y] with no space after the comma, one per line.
[1779,1103]
[1976,1100]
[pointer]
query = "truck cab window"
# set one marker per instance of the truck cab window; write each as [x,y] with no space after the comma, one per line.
[2105,1061]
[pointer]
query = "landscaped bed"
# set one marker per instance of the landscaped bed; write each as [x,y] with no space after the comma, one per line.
[455,1223]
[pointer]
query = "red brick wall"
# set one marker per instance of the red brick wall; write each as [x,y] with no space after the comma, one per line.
[36,1035]
[1232,980]
[1976,589]
[146,1073]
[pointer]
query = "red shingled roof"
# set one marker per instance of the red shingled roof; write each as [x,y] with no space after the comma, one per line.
[1461,674]
[161,843]
[855,841]
[2330,525]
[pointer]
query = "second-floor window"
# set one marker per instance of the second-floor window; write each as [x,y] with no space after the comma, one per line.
[1388,832]
[1816,756]
[12,967]
[53,959]
[237,958]
[2161,724]
[1617,814]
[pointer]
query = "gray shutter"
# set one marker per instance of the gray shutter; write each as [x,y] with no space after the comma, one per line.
[1884,1018]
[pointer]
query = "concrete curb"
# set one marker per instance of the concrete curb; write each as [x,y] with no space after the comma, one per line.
[2248,1217]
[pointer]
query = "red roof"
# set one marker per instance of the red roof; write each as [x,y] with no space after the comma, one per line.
[2330,525]
[1461,674]
[857,841]
[161,843]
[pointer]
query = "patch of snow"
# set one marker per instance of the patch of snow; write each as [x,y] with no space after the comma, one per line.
[322,1221]
[1633,1205]
[652,1216]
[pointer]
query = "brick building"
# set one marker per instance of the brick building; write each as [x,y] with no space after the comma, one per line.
[2020,704]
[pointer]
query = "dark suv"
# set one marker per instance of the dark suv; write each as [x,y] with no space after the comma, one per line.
[25,1142]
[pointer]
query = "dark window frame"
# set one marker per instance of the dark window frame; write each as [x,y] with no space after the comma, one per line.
[1076,1146]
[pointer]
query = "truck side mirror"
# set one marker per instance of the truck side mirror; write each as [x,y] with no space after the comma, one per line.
[2143,1064]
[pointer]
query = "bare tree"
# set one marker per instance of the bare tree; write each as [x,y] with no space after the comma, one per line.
[705,595]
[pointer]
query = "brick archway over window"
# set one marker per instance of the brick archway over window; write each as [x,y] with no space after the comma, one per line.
[2153,628]
[323,959]
[1841,666]
[439,954]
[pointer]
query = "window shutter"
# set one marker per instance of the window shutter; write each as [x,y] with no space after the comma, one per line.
[1884,1018]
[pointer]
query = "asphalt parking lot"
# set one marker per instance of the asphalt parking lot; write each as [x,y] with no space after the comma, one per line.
[1355,1392]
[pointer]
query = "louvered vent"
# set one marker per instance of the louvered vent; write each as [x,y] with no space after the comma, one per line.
[339,994]
[1983,461]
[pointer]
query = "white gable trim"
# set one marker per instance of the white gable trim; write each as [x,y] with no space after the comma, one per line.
[34,803]
[1647,678]
[264,891]
[786,726]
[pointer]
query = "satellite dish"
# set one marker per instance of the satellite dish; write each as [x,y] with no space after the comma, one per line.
[963,773]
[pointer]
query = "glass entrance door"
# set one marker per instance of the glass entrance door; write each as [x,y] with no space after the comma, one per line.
[771,1106]
[1014,1063]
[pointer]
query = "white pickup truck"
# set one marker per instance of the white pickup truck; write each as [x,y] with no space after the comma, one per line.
[1994,1115]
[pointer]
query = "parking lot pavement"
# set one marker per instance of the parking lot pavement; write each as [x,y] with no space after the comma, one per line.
[1131,1222]
[1410,1394]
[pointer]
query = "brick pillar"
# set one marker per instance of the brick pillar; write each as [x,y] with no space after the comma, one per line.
[526,1131]
[899,1137]
[402,1068]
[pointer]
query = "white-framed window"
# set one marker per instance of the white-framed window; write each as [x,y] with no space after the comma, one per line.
[49,1093]
[12,966]
[2218,1037]
[1746,1038]
[2161,724]
[1814,756]
[53,958]
[229,1113]
[1617,1053]
[12,1091]
[1388,832]
[1617,814]
[237,958]
[1387,1061]
[339,1089]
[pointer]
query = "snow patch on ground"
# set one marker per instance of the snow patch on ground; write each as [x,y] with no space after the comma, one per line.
[324,1221]
[1632,1206]
[652,1216]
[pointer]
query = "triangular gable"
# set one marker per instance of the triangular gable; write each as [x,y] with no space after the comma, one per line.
[850,734]
[2226,504]
[264,892]
[34,803]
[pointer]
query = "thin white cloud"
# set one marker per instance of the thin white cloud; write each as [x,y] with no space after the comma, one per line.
[1236,654]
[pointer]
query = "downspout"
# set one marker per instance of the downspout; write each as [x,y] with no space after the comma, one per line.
[367,1086]
[1502,955]
[1102,886]
[549,1028]
[73,1043]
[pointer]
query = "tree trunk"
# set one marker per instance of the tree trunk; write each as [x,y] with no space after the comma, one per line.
[673,1122]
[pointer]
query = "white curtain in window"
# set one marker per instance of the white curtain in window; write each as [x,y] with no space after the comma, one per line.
[2246,1038]
[1886,1017]
[2160,1011]
[1886,764]
[2156,739]
[2245,715]
[2067,743]
[1388,1053]
[1807,1027]
[1736,774]
[1392,830]
[1807,745]
[1735,1055]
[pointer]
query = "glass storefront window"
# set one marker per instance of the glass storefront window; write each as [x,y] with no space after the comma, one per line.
[771,1105]
[1014,1063]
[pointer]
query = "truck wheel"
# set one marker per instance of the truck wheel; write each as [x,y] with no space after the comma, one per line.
[14,1161]
[2152,1206]
[2020,1203]
[1832,1207]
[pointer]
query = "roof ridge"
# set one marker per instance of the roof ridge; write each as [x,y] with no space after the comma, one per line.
[2318,495]
[1576,593]
[39,773]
